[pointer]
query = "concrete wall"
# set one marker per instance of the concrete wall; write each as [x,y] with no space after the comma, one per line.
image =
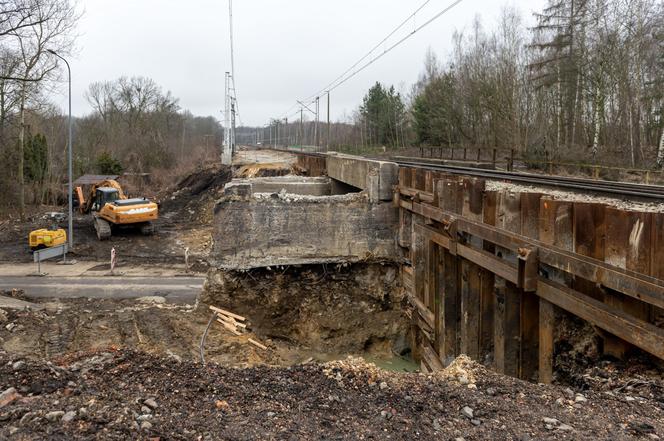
[259,231]
[377,178]
[320,186]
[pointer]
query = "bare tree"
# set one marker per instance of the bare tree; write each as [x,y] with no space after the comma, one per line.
[52,28]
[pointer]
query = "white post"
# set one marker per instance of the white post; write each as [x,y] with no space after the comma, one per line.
[113,260]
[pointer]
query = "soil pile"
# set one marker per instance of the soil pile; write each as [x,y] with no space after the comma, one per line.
[124,394]
[191,200]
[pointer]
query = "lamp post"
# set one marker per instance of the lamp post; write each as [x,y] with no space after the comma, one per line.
[70,232]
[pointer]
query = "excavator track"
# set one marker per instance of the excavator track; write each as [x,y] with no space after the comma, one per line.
[147,229]
[103,229]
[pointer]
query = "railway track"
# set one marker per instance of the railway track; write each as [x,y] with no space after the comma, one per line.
[620,189]
[615,189]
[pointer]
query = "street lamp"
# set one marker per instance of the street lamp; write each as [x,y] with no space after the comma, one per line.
[70,232]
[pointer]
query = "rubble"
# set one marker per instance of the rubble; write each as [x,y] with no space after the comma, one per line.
[304,401]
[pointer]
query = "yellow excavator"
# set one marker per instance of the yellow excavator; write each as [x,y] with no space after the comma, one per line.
[110,207]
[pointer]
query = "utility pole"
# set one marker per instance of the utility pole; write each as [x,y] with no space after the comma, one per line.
[317,133]
[70,195]
[232,126]
[287,133]
[328,121]
[227,149]
[301,140]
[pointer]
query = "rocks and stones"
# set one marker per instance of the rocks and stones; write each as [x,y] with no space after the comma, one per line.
[18,365]
[54,416]
[467,412]
[145,410]
[580,398]
[383,385]
[146,425]
[476,422]
[151,403]
[69,416]
[8,396]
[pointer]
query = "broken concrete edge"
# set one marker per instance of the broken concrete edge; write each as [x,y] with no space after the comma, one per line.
[247,196]
[17,304]
[276,263]
[378,178]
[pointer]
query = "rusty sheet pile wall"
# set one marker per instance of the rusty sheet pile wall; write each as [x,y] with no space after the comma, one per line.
[489,269]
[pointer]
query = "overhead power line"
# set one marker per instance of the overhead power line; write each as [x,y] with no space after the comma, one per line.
[401,25]
[395,45]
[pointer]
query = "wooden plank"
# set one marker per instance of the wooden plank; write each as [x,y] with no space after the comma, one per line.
[418,253]
[496,265]
[657,260]
[547,323]
[529,315]
[555,228]
[508,297]
[450,308]
[487,281]
[227,313]
[257,344]
[430,357]
[627,246]
[638,332]
[424,312]
[439,319]
[640,286]
[472,197]
[589,240]
[530,215]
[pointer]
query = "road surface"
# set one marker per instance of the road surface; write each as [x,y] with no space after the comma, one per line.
[174,289]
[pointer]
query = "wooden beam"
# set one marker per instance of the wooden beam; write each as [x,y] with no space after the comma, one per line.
[641,334]
[639,286]
[547,323]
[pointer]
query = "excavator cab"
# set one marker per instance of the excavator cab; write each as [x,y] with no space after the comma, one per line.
[103,196]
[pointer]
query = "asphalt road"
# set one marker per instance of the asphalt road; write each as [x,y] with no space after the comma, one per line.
[174,289]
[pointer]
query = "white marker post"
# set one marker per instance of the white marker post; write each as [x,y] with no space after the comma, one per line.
[186,259]
[113,260]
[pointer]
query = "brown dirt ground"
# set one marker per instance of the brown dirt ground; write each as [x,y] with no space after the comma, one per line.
[185,221]
[107,393]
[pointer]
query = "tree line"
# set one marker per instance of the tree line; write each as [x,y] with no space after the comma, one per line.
[585,83]
[134,127]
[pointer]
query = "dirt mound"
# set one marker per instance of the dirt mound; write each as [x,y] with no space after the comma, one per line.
[191,201]
[125,394]
[267,170]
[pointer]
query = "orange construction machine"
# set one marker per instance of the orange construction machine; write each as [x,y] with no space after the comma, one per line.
[111,208]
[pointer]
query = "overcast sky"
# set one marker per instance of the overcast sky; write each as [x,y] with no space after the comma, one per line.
[284,50]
